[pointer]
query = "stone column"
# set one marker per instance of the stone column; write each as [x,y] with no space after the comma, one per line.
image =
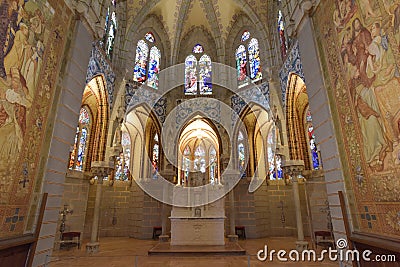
[294,169]
[100,169]
[168,174]
[229,175]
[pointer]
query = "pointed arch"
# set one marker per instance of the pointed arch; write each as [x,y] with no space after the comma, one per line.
[302,141]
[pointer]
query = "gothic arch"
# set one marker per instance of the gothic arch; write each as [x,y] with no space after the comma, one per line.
[233,40]
[153,24]
[195,35]
[296,108]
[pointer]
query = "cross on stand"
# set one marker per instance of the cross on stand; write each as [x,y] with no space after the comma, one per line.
[14,219]
[25,174]
[283,218]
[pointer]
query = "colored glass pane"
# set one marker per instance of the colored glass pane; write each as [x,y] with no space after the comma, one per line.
[149,37]
[213,165]
[191,75]
[84,117]
[313,144]
[111,33]
[81,150]
[205,69]
[73,152]
[282,36]
[254,59]
[198,49]
[241,64]
[156,153]
[154,67]
[199,159]
[139,71]
[122,162]
[245,36]
[241,158]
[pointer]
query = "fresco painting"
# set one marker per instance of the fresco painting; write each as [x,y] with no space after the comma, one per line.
[362,48]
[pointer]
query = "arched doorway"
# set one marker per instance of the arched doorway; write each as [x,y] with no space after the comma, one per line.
[199,154]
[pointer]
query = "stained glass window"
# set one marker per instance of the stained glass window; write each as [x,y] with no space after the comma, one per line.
[253,54]
[110,29]
[139,71]
[143,71]
[155,159]
[213,165]
[84,117]
[122,162]
[186,164]
[245,36]
[191,75]
[198,49]
[274,160]
[81,149]
[73,151]
[77,156]
[199,159]
[241,154]
[154,66]
[241,64]
[282,34]
[205,75]
[150,37]
[313,144]
[254,59]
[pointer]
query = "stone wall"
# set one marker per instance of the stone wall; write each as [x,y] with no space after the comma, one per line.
[262,215]
[76,190]
[113,209]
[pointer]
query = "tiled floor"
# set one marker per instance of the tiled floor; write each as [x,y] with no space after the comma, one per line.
[120,252]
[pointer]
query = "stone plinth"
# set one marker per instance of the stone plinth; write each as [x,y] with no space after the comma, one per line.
[197,231]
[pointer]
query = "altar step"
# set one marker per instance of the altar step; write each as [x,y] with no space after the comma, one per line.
[165,249]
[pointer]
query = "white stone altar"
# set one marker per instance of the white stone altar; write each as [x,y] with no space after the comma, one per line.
[198,225]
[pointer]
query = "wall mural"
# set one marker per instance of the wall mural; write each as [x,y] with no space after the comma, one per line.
[31,43]
[361,44]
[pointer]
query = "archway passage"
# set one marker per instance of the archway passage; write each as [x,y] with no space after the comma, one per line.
[302,140]
[199,152]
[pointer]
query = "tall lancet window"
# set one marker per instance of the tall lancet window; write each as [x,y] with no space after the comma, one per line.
[282,35]
[110,29]
[241,154]
[122,167]
[78,152]
[312,142]
[147,61]
[248,60]
[155,156]
[274,160]
[213,165]
[198,73]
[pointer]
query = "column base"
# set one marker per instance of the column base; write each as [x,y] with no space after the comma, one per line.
[301,245]
[92,248]
[233,238]
[163,238]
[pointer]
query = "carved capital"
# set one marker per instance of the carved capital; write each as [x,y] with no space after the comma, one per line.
[293,167]
[102,168]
